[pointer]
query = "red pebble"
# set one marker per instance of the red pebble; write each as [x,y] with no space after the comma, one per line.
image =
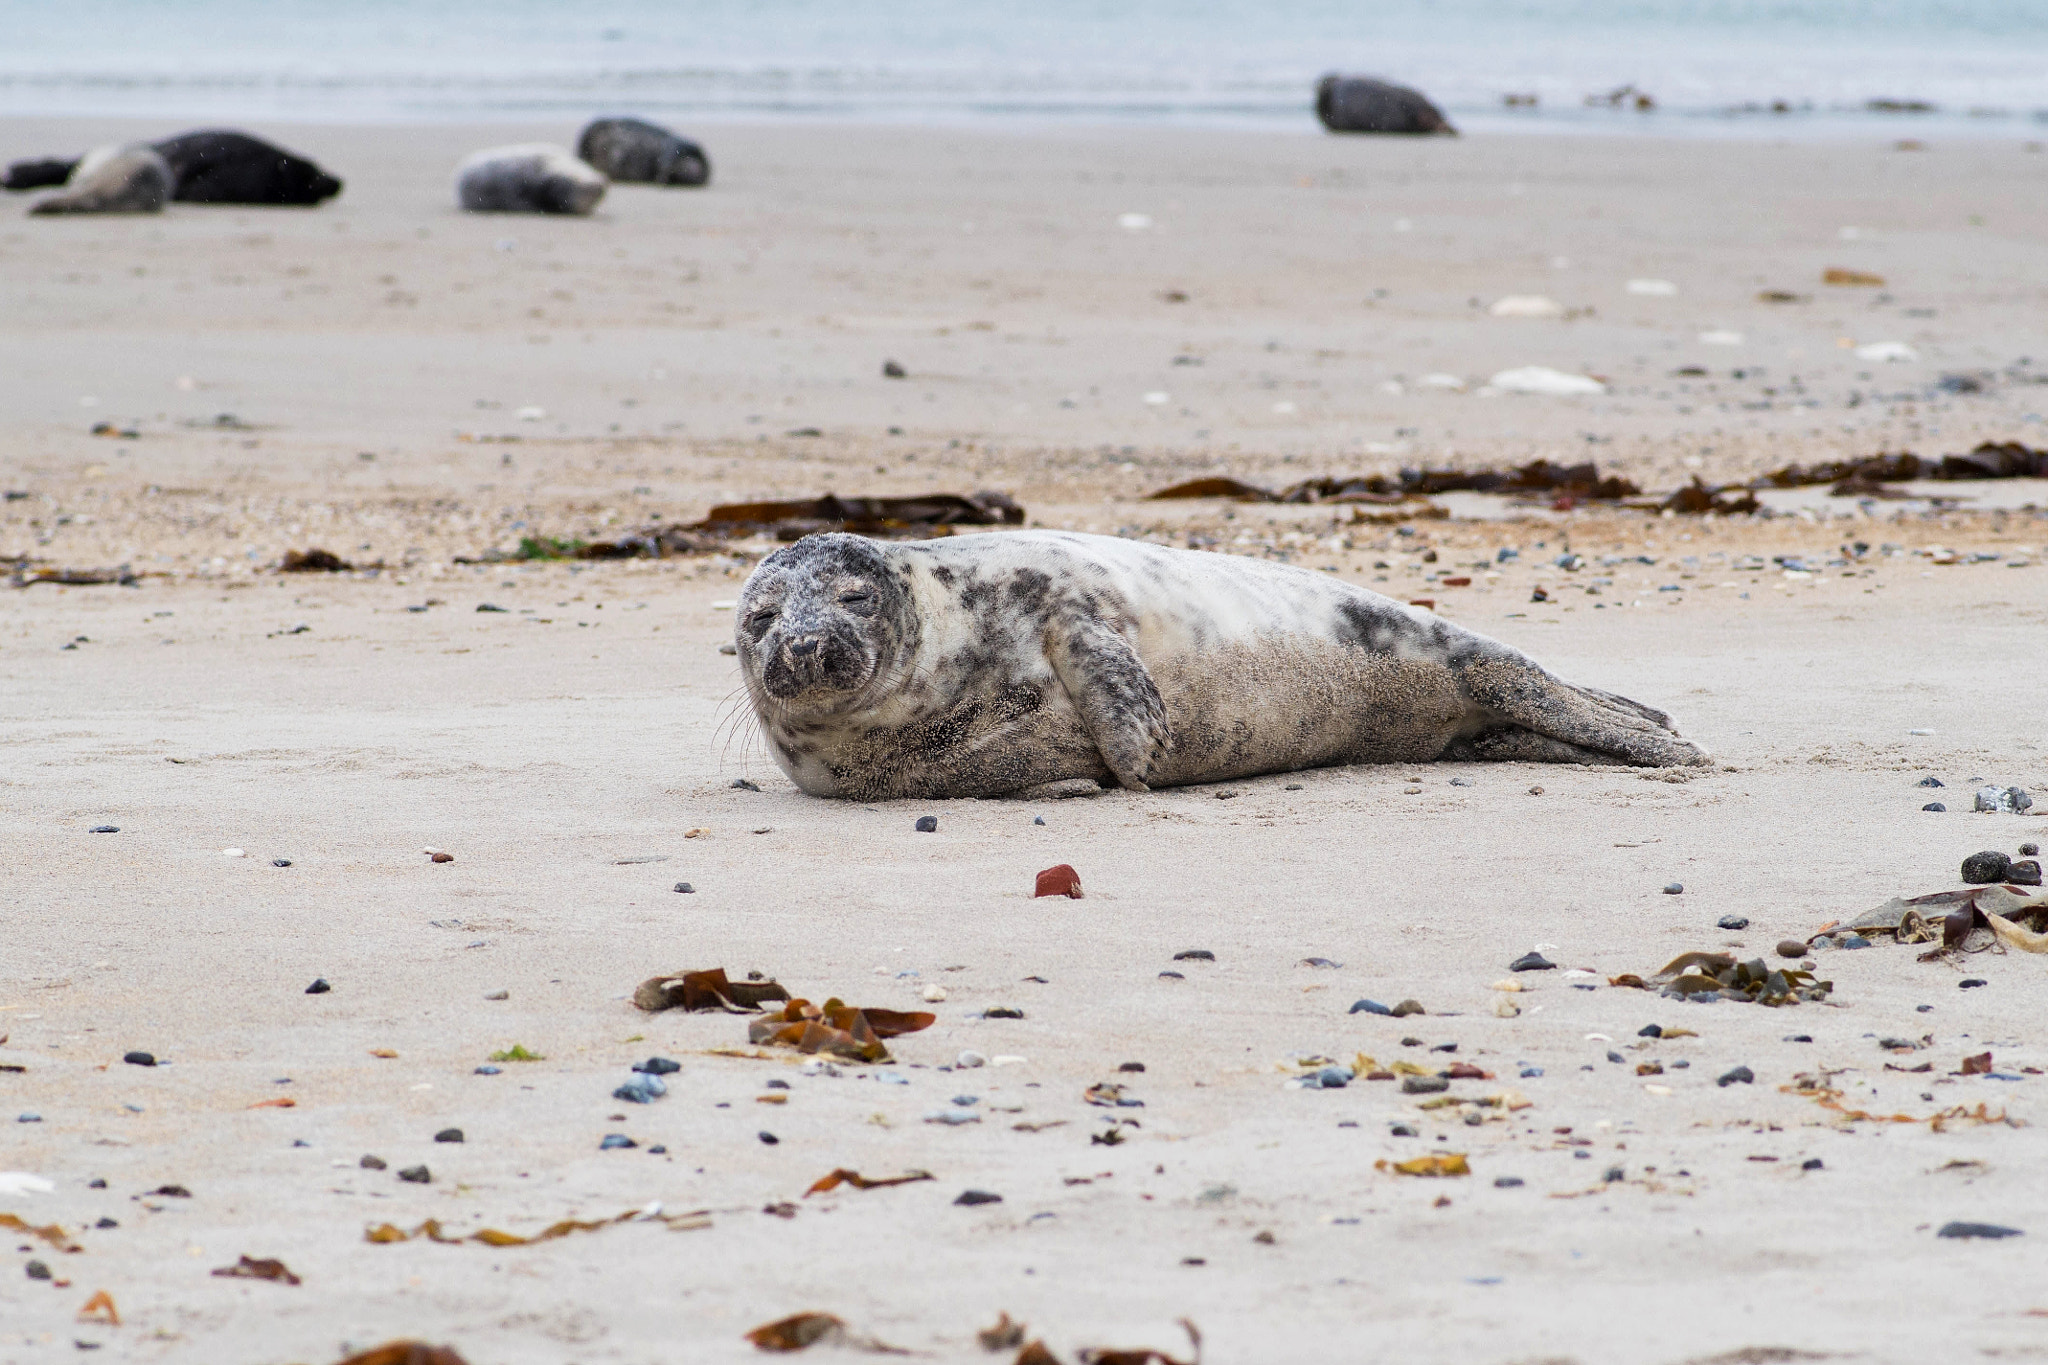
[1059,881]
[444,857]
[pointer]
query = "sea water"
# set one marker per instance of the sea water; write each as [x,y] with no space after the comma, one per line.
[1746,66]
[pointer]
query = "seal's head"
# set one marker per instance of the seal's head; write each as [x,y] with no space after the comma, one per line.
[821,620]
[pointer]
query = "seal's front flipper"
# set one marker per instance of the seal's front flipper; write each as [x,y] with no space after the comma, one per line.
[1119,704]
[1581,720]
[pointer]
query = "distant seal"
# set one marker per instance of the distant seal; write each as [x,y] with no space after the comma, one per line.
[534,177]
[222,166]
[1360,104]
[38,174]
[632,151]
[128,178]
[986,665]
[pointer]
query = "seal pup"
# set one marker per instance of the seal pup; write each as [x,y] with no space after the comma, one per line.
[633,151]
[988,665]
[1360,104]
[222,166]
[532,177]
[119,178]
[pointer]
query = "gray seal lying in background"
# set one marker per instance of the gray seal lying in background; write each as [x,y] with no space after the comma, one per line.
[211,166]
[130,178]
[533,177]
[986,665]
[632,151]
[1360,104]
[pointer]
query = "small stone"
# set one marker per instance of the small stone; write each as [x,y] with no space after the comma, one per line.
[1061,880]
[685,888]
[417,1175]
[1531,1073]
[1535,791]
[2025,872]
[1740,1073]
[1402,1130]
[1408,1007]
[1992,1230]
[1731,922]
[1411,1042]
[927,824]
[1928,782]
[1614,1056]
[1461,782]
[372,1163]
[1674,888]
[106,1223]
[1936,807]
[1812,1163]
[1531,962]
[1982,869]
[1970,983]
[139,1058]
[1507,1182]
[489,1071]
[319,986]
[1194,955]
[28,1116]
[1173,976]
[442,857]
[2000,800]
[1423,1085]
[1613,1175]
[37,1270]
[104,829]
[613,1142]
[280,862]
[1650,1031]
[1368,1007]
[1798,1037]
[658,1066]
[1855,941]
[448,1135]
[657,1150]
[780,1085]
[972,1197]
[969,1060]
[1504,1007]
[498,995]
[741,784]
[1791,947]
[642,1089]
[2029,850]
[1131,1066]
[768,1139]
[1292,787]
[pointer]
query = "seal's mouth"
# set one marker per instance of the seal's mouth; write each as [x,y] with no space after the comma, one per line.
[797,662]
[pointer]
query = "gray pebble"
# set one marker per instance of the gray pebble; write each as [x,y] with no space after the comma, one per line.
[2029,850]
[768,1139]
[1855,941]
[489,1071]
[448,1135]
[612,1142]
[1740,1073]
[1928,782]
[36,1270]
[741,784]
[372,1163]
[417,1175]
[1507,1182]
[1038,819]
[1992,1230]
[1614,1056]
[1936,807]
[1674,888]
[658,1066]
[1812,1163]
[139,1058]
[1982,869]
[104,829]
[1732,922]
[319,986]
[1531,962]
[1791,947]
[927,824]
[1423,1085]
[1368,1007]
[685,888]
[972,1197]
[1194,955]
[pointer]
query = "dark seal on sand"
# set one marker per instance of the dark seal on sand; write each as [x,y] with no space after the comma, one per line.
[222,166]
[1360,104]
[989,665]
[634,152]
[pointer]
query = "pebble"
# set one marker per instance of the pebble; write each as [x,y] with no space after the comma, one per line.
[1060,880]
[969,1060]
[934,993]
[1928,782]
[233,853]
[1936,807]
[1674,888]
[1408,1007]
[1194,955]
[442,857]
[952,1117]
[1173,976]
[1971,983]
[612,1142]
[1731,922]
[28,1116]
[1461,782]
[280,862]
[1531,962]
[489,1071]
[1798,1037]
[1650,1031]
[448,1135]
[1423,1085]
[658,1066]
[1791,947]
[768,1139]
[1812,1163]
[1292,786]
[1368,1007]
[1855,941]
[2029,850]
[740,784]
[1982,869]
[657,1150]
[927,824]
[104,829]
[1505,1008]
[1131,1066]
[36,1270]
[319,986]
[2003,800]
[372,1163]
[1977,1230]
[1402,1130]
[417,1175]
[1740,1073]
[972,1197]
[1614,1056]
[498,995]
[139,1058]
[642,1089]
[2025,872]
[1038,819]
[1507,1182]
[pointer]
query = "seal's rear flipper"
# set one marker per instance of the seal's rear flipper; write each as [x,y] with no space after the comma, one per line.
[36,175]
[1586,725]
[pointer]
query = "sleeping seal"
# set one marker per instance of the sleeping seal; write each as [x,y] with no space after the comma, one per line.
[129,178]
[992,664]
[222,166]
[534,177]
[631,151]
[1359,104]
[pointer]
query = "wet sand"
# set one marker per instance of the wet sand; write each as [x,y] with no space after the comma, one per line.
[376,354]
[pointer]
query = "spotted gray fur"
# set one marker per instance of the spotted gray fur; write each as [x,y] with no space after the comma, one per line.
[985,665]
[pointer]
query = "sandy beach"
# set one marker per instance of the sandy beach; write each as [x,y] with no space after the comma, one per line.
[1082,316]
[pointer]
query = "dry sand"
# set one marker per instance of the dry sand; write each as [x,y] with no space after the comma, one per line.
[367,349]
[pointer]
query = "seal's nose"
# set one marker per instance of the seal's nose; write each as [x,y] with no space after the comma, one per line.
[799,649]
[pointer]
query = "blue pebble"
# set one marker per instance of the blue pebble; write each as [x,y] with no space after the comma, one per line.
[927,824]
[1530,1073]
[658,1066]
[1334,1077]
[1936,807]
[1855,941]
[1369,1007]
[642,1089]
[614,1141]
[488,1070]
[657,1150]
[29,1118]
